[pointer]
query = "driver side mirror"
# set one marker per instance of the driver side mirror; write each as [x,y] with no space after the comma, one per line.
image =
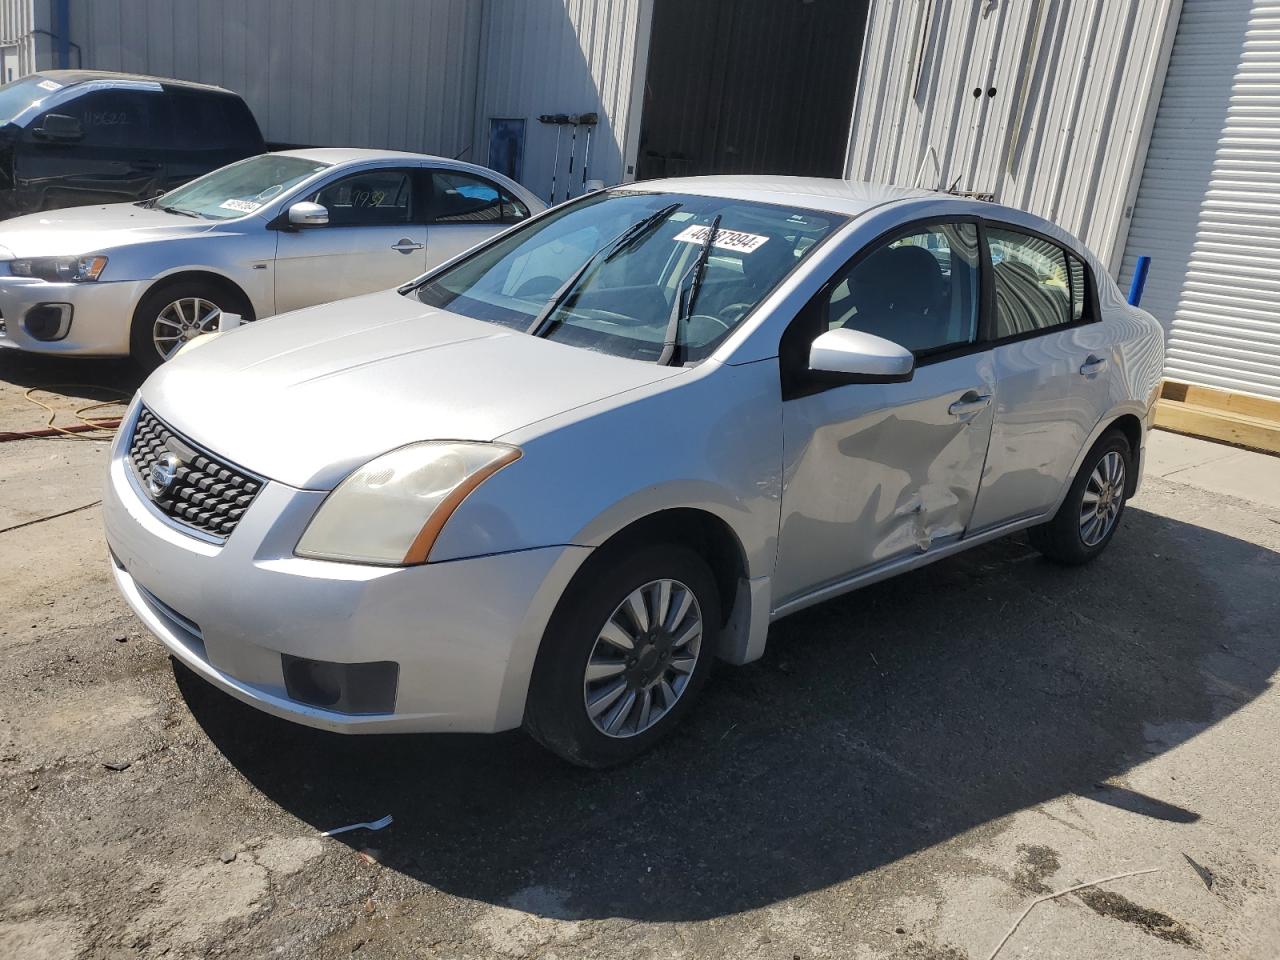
[857,357]
[307,214]
[60,127]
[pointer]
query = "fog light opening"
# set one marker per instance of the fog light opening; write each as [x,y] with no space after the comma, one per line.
[48,321]
[342,687]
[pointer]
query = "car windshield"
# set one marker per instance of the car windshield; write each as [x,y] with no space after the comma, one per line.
[16,97]
[624,302]
[240,188]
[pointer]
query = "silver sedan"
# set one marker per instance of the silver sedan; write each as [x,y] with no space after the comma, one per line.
[548,483]
[271,233]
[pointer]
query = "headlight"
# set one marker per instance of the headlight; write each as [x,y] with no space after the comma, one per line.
[391,510]
[59,269]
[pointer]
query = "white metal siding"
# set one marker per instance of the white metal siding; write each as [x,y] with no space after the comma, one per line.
[399,74]
[1208,209]
[19,22]
[1066,128]
[565,56]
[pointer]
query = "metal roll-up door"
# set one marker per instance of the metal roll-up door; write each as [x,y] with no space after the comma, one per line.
[1208,207]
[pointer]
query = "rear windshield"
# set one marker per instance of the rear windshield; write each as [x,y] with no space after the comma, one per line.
[240,188]
[624,304]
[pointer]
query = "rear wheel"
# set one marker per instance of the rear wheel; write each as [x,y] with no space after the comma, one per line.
[624,656]
[175,313]
[1090,514]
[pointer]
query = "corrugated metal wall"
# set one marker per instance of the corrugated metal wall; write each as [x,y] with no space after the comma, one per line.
[18,20]
[384,73]
[565,56]
[1046,104]
[1208,210]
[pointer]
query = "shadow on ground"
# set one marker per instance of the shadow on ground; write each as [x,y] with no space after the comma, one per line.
[70,376]
[876,725]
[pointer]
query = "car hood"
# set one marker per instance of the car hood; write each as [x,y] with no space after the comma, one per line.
[78,230]
[306,397]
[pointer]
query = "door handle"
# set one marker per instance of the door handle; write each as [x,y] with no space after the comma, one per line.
[146,166]
[1093,365]
[971,404]
[405,245]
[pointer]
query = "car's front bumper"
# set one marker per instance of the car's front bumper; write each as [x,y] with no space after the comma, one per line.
[464,633]
[101,314]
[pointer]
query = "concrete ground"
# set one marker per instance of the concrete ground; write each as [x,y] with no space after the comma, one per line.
[905,771]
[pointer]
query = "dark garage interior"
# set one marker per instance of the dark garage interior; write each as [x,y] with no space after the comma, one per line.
[750,86]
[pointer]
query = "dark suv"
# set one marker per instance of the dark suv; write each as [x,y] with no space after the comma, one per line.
[74,137]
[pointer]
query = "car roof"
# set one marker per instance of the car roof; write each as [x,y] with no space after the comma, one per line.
[69,78]
[846,197]
[349,154]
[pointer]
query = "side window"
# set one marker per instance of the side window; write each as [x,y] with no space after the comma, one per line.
[1033,285]
[112,119]
[513,211]
[462,198]
[372,198]
[920,290]
[1079,289]
[209,121]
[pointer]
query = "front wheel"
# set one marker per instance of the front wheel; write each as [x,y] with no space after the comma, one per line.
[624,656]
[173,314]
[1090,514]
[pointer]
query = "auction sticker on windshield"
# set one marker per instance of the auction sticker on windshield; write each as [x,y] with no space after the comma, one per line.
[734,240]
[240,206]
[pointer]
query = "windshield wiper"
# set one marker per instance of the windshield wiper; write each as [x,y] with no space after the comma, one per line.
[682,306]
[181,213]
[541,323]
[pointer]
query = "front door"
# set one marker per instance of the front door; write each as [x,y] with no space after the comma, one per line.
[873,472]
[375,239]
[1052,388]
[113,160]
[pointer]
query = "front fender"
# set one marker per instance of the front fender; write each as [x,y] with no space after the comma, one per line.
[710,439]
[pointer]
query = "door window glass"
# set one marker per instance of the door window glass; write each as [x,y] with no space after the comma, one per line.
[1032,283]
[1079,288]
[112,119]
[462,198]
[920,291]
[372,198]
[210,121]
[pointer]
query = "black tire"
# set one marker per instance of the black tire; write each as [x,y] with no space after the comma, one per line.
[1062,539]
[556,712]
[142,346]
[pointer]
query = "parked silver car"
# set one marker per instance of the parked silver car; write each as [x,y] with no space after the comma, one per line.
[550,482]
[271,233]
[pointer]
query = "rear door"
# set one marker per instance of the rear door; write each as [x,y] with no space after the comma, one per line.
[1053,360]
[115,159]
[375,239]
[874,472]
[465,209]
[206,131]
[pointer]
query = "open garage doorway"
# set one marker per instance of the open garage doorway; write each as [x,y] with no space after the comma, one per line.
[750,86]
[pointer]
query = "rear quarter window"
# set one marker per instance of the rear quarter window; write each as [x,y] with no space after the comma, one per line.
[204,121]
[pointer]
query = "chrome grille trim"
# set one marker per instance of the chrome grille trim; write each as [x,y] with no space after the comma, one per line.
[208,494]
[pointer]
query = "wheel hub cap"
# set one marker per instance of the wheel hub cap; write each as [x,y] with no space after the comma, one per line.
[1102,499]
[643,658]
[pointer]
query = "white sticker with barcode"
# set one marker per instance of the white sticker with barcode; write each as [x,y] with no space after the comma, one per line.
[49,85]
[240,206]
[734,240]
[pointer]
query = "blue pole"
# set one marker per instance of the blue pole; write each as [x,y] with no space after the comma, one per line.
[62,29]
[1139,280]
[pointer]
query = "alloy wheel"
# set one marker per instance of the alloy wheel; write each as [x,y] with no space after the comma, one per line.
[1103,498]
[181,321]
[643,658]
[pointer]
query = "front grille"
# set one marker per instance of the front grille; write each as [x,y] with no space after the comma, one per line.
[205,492]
